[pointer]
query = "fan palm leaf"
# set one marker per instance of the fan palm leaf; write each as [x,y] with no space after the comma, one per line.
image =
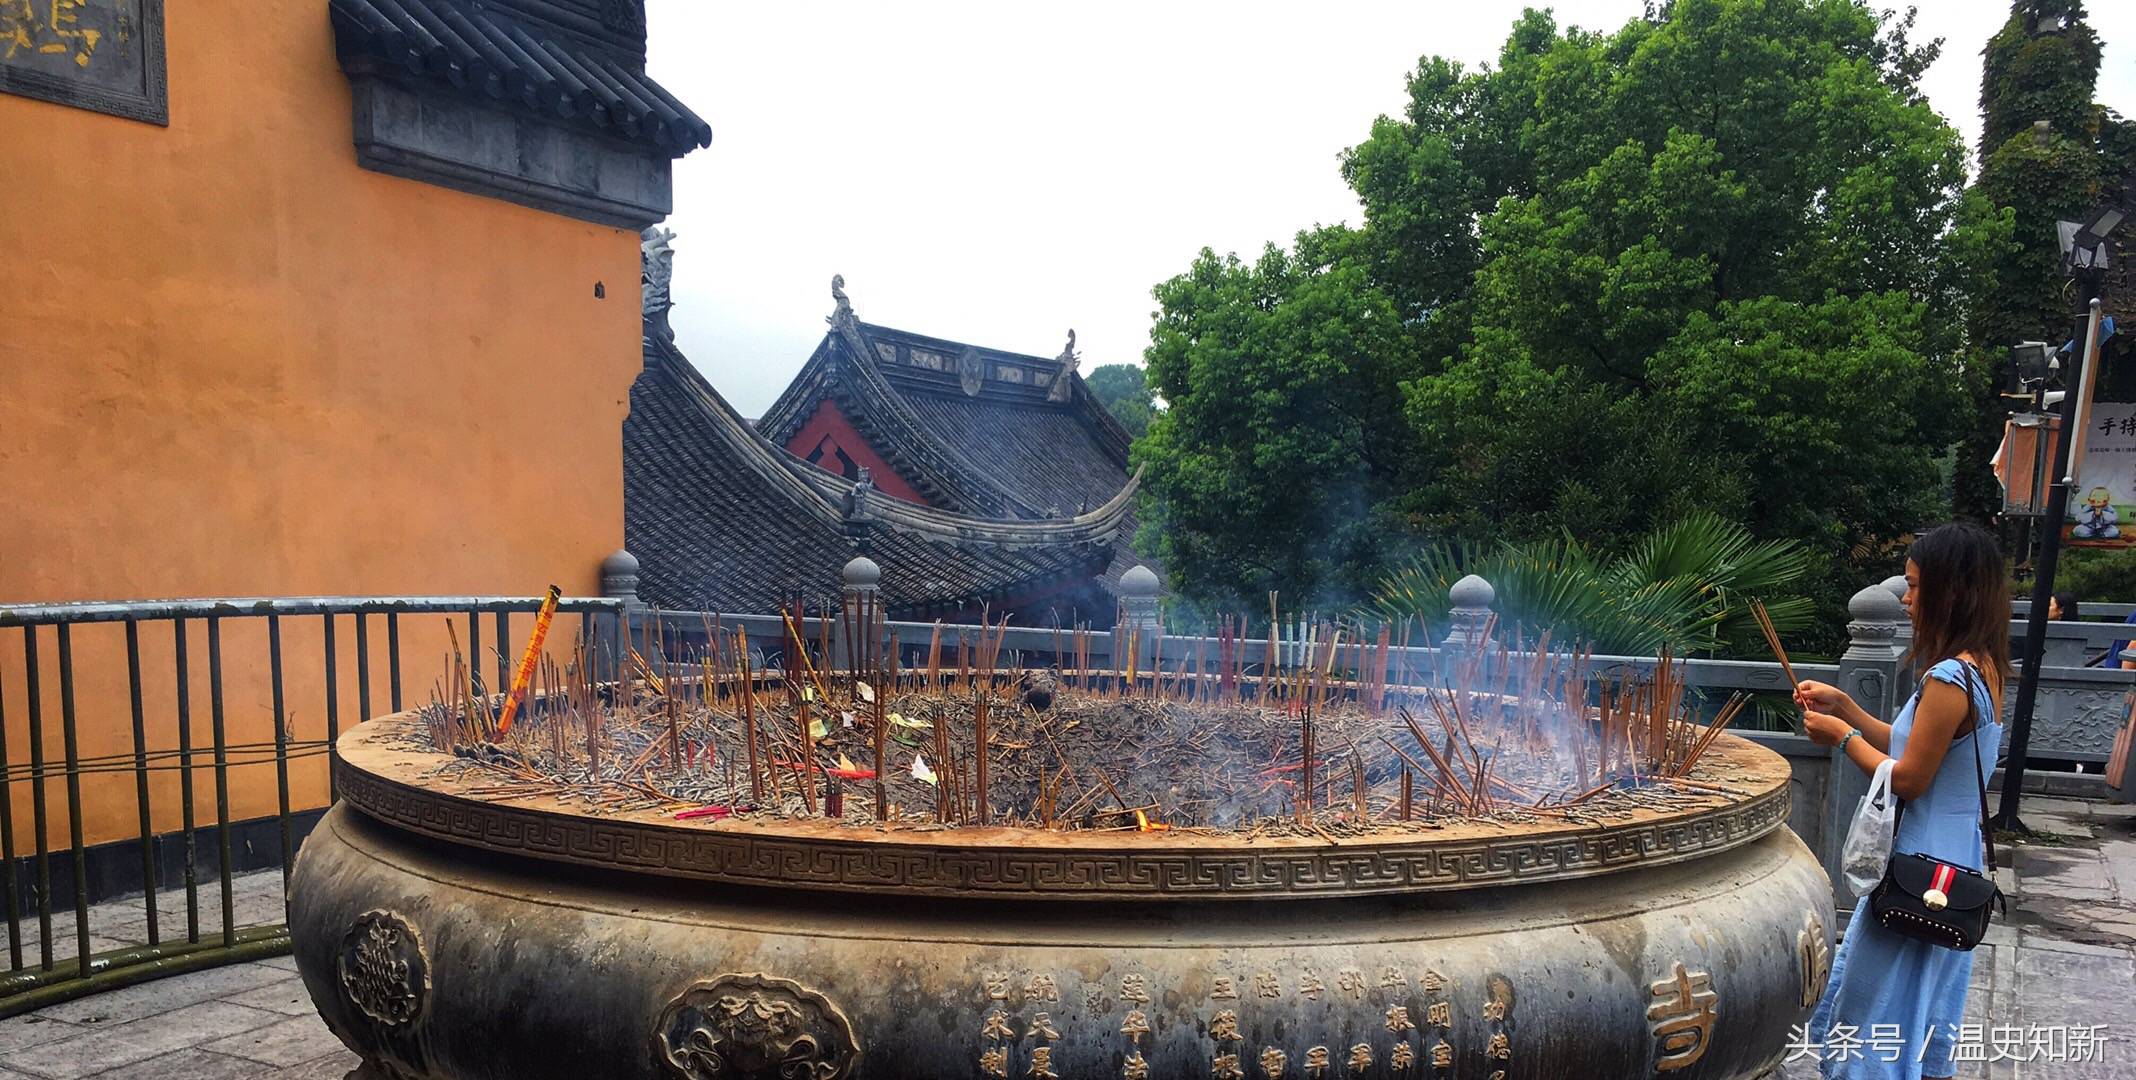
[1685,587]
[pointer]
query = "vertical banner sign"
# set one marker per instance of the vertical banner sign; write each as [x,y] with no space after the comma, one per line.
[2102,507]
[102,55]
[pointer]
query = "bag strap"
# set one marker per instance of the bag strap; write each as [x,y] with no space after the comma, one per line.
[1972,714]
[1980,771]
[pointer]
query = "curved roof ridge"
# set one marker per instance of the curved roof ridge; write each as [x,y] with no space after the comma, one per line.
[906,425]
[1098,526]
[830,497]
[875,405]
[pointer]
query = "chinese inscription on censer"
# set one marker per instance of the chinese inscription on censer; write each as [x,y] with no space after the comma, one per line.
[1418,1039]
[1816,957]
[1682,1016]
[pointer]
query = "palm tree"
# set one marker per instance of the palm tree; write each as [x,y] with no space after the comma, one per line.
[1685,587]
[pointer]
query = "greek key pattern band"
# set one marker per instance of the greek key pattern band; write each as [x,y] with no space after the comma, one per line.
[956,870]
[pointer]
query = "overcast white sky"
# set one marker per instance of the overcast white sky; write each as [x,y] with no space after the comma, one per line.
[997,173]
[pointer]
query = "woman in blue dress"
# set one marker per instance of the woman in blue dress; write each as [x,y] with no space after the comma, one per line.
[1893,1007]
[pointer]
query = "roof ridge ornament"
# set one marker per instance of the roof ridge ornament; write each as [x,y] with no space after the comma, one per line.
[860,515]
[971,371]
[1064,379]
[841,317]
[656,272]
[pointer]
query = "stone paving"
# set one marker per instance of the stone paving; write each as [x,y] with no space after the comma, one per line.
[243,1020]
[2065,956]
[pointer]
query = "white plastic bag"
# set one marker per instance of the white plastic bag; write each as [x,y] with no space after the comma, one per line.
[1868,847]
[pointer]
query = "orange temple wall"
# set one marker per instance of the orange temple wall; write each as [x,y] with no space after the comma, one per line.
[235,363]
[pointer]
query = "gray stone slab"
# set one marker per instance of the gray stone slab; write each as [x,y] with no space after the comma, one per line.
[197,1064]
[287,997]
[2048,804]
[287,963]
[289,1042]
[334,1066]
[2053,871]
[2055,943]
[2066,988]
[104,1048]
[63,949]
[163,995]
[23,1032]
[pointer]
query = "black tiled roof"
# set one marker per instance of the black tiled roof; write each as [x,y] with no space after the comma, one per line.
[1046,454]
[721,519]
[1008,449]
[484,52]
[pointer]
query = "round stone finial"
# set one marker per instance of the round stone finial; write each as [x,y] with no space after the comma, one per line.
[861,572]
[619,576]
[1472,592]
[1139,581]
[1875,604]
[1897,584]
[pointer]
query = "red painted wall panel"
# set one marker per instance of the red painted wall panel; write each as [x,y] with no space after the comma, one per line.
[829,422]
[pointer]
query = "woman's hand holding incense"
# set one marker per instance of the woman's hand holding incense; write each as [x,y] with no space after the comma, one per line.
[1838,712]
[1825,698]
[1823,728]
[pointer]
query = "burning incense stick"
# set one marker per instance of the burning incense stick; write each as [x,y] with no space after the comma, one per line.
[525,672]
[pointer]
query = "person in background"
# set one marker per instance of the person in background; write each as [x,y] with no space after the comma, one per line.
[1958,597]
[2112,656]
[2062,607]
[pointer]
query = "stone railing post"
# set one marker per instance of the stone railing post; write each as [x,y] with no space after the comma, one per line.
[860,585]
[1871,672]
[619,581]
[1471,614]
[1897,584]
[1140,592]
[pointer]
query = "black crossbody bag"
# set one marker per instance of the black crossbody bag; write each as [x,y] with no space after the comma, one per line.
[1934,901]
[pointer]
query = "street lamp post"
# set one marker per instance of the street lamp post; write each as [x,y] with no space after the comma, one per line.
[2074,403]
[2084,256]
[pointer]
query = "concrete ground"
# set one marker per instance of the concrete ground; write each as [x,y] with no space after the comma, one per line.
[2066,956]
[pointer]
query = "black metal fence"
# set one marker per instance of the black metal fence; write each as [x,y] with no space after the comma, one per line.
[124,682]
[135,813]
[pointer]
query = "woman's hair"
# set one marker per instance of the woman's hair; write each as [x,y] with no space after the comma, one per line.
[2067,601]
[1962,599]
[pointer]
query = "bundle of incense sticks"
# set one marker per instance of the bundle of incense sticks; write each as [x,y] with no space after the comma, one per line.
[1480,738]
[1772,640]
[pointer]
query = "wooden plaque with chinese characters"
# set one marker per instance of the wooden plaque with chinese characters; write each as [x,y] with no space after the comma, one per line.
[102,55]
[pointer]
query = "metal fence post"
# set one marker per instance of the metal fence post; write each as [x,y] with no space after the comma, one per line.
[1870,672]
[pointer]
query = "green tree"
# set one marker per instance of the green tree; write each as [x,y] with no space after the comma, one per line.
[1283,427]
[1125,393]
[1717,258]
[2045,149]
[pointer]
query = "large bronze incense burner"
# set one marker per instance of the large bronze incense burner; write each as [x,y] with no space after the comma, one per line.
[451,926]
